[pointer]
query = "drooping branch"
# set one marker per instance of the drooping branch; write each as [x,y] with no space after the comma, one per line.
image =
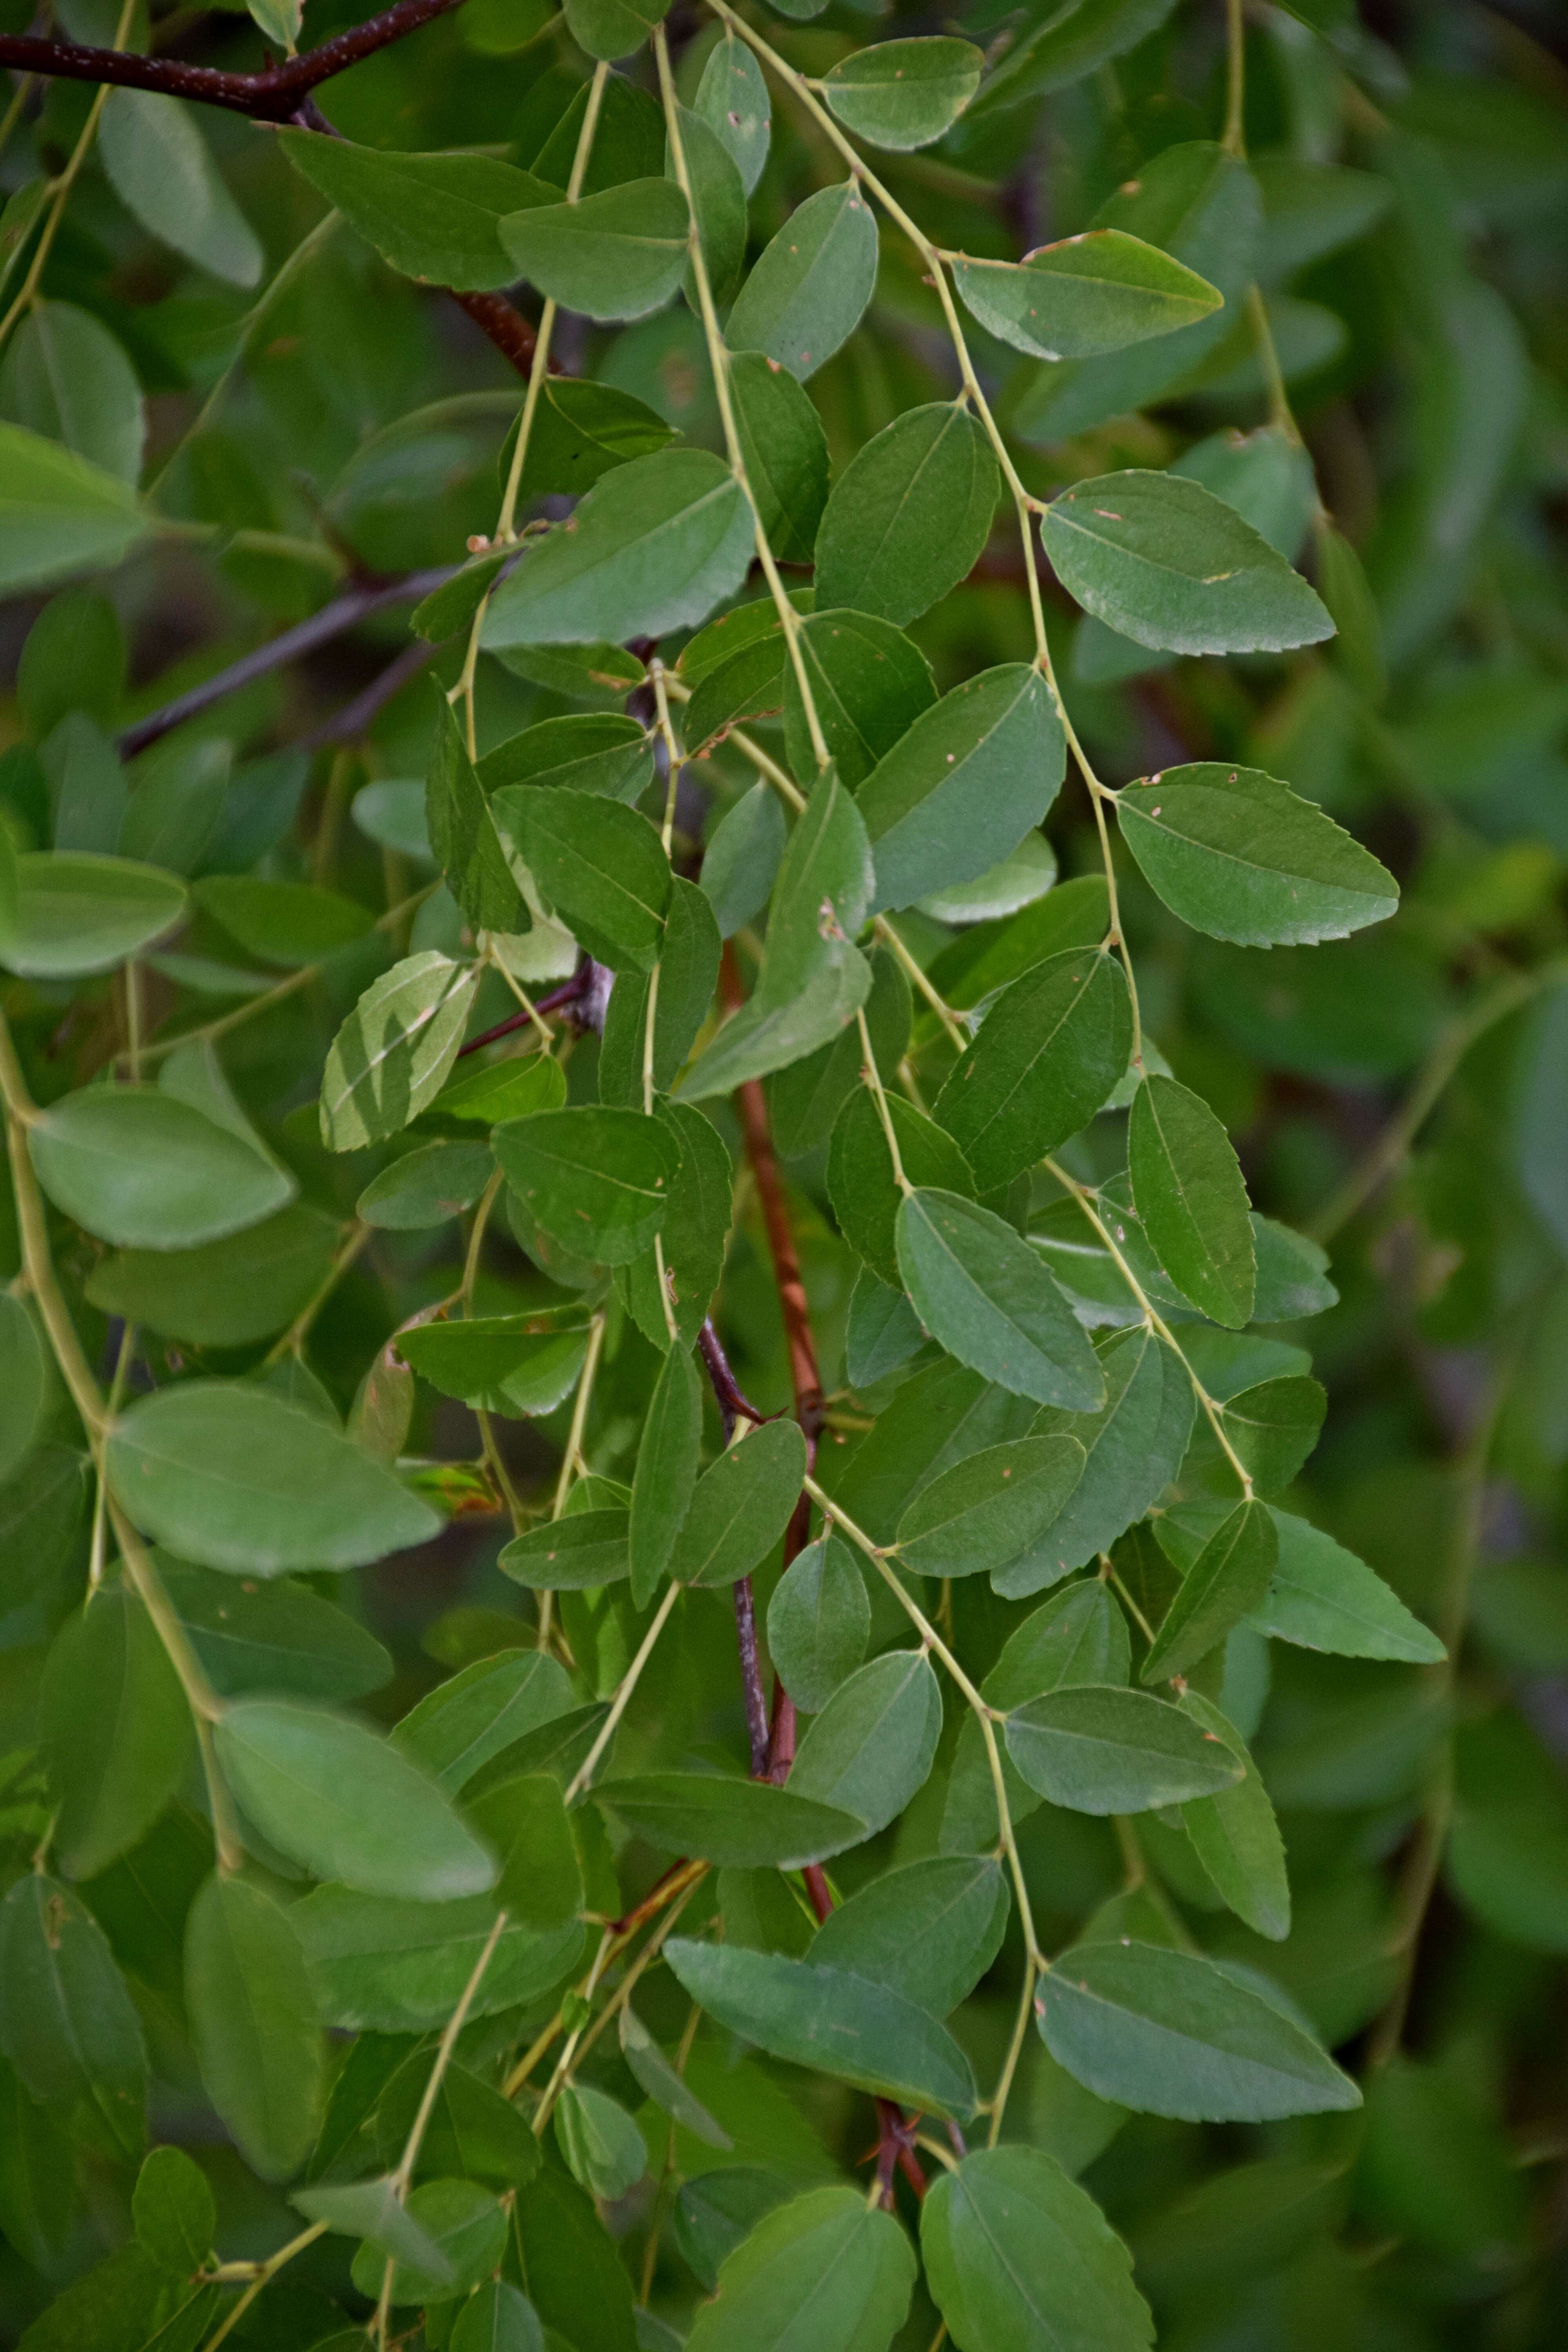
[273,95]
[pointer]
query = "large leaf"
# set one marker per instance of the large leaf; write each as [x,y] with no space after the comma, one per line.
[963,788]
[1191,1197]
[1168,564]
[400,1967]
[274,1636]
[253,2024]
[841,2024]
[334,1797]
[654,547]
[1171,2034]
[909,514]
[1089,294]
[67,2023]
[601,866]
[137,1167]
[861,1186]
[930,1929]
[824,2263]
[740,1507]
[229,1475]
[1047,1054]
[65,375]
[740,1824]
[986,1295]
[872,1746]
[1240,856]
[391,1057]
[76,913]
[598,1180]
[60,513]
[160,166]
[1097,1749]
[806,292]
[617,255]
[430,215]
[1020,2259]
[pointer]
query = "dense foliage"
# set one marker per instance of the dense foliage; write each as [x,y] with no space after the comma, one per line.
[784,1381]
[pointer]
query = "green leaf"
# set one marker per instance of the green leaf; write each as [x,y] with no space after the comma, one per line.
[1047,1053]
[227,1474]
[1019,880]
[1169,2034]
[908,517]
[463,835]
[739,1824]
[159,166]
[964,785]
[591,750]
[598,1180]
[988,1509]
[496,2319]
[1322,1598]
[573,1554]
[904,94]
[733,99]
[666,1476]
[652,548]
[40,1511]
[282,922]
[985,1295]
[277,1636]
[616,255]
[391,1057]
[509,1088]
[173,2211]
[602,867]
[1020,2259]
[433,216]
[1079,1637]
[990,955]
[828,2019]
[718,205]
[1170,565]
[872,1746]
[1347,596]
[1065,43]
[1098,1749]
[938,1416]
[1191,1197]
[808,289]
[741,1508]
[571,2268]
[804,1101]
[664,2086]
[26,1384]
[1236,1835]
[687,974]
[869,682]
[463,1723]
[64,375]
[860,1183]
[612,28]
[1224,1584]
[930,1929]
[466,2226]
[60,514]
[602,2147]
[136,1166]
[824,2261]
[524,1820]
[1093,293]
[1274,1426]
[822,896]
[764,1037]
[819,1621]
[428,1186]
[1265,476]
[374,2210]
[67,2023]
[115,1730]
[510,1364]
[785,451]
[1134,1446]
[344,1804]
[1238,855]
[400,1967]
[581,431]
[693,1237]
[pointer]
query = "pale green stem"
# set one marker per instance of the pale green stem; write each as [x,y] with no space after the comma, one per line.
[628,1683]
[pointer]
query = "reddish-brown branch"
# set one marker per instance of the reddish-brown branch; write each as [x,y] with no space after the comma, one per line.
[274,95]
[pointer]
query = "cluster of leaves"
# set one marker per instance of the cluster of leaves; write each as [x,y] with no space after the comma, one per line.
[550,1852]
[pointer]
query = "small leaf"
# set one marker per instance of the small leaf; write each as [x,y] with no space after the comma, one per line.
[1236,1835]
[860,1183]
[335,1798]
[740,1824]
[688,973]
[908,517]
[253,2024]
[598,1180]
[428,1186]
[612,28]
[666,1474]
[602,867]
[741,1508]
[989,1509]
[524,1820]
[1093,293]
[597,751]
[930,1929]
[374,2210]
[904,94]
[60,515]
[463,835]
[1100,1749]
[602,2147]
[67,2023]
[1046,1055]
[1238,855]
[1191,1199]
[575,1554]
[808,289]
[160,167]
[1224,1584]
[1064,46]
[455,1731]
[115,1729]
[764,1037]
[277,1636]
[282,922]
[1170,565]
[1273,1427]
[826,2253]
[400,1967]
[664,2086]
[617,254]
[391,1057]
[983,1294]
[428,215]
[227,1474]
[819,1621]
[718,204]
[868,683]
[785,450]
[1020,2259]
[733,99]
[66,376]
[872,1746]
[1169,2034]
[174,2211]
